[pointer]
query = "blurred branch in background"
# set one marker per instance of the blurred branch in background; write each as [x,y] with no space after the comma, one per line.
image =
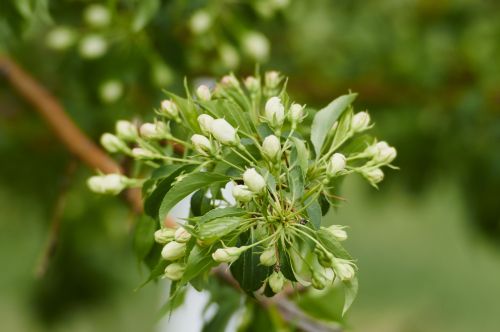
[67,131]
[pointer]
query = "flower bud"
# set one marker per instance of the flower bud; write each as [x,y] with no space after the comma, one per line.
[111,184]
[60,38]
[224,132]
[242,194]
[318,280]
[200,22]
[256,45]
[338,232]
[164,235]
[374,175]
[252,84]
[268,257]
[175,271]
[110,91]
[201,144]
[360,121]
[230,81]
[275,112]
[93,46]
[113,144]
[329,275]
[336,165]
[173,251]
[271,147]
[272,79]
[276,281]
[205,122]
[344,269]
[227,255]
[140,153]
[203,92]
[126,130]
[158,130]
[385,153]
[169,109]
[97,15]
[254,181]
[324,258]
[182,235]
[296,113]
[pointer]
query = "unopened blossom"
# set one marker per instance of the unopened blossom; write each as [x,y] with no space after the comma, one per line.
[276,281]
[126,130]
[164,235]
[274,112]
[175,271]
[227,255]
[223,132]
[182,235]
[169,109]
[113,144]
[201,144]
[203,92]
[242,194]
[205,122]
[271,147]
[336,165]
[268,257]
[111,184]
[254,181]
[173,251]
[360,121]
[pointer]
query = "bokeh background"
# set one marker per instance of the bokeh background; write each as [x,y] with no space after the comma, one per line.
[428,71]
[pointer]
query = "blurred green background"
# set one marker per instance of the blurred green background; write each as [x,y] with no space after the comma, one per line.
[428,71]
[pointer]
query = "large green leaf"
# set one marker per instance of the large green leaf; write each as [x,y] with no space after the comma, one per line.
[167,175]
[144,236]
[157,271]
[221,212]
[247,269]
[199,260]
[326,117]
[186,186]
[350,292]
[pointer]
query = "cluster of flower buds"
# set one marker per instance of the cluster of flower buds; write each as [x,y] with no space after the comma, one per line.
[248,135]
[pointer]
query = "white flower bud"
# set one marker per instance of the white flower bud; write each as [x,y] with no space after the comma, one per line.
[200,22]
[252,84]
[254,181]
[276,281]
[113,144]
[329,275]
[111,184]
[169,109]
[148,130]
[256,45]
[175,271]
[203,92]
[268,257]
[338,232]
[205,122]
[296,113]
[242,194]
[272,79]
[97,16]
[224,132]
[275,112]
[385,153]
[60,38]
[227,255]
[344,269]
[164,235]
[173,251]
[271,147]
[336,165]
[93,46]
[360,121]
[182,235]
[140,153]
[374,175]
[201,144]
[110,91]
[126,130]
[230,81]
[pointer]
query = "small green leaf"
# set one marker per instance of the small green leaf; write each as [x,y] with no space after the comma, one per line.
[186,186]
[313,211]
[326,117]
[199,260]
[221,212]
[350,292]
[158,270]
[296,183]
[300,154]
[217,228]
[332,244]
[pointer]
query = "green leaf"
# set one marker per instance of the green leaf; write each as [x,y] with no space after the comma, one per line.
[313,211]
[296,183]
[144,13]
[167,175]
[186,186]
[351,290]
[300,154]
[144,236]
[326,117]
[247,269]
[158,270]
[200,203]
[217,228]
[221,212]
[232,112]
[332,244]
[199,260]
